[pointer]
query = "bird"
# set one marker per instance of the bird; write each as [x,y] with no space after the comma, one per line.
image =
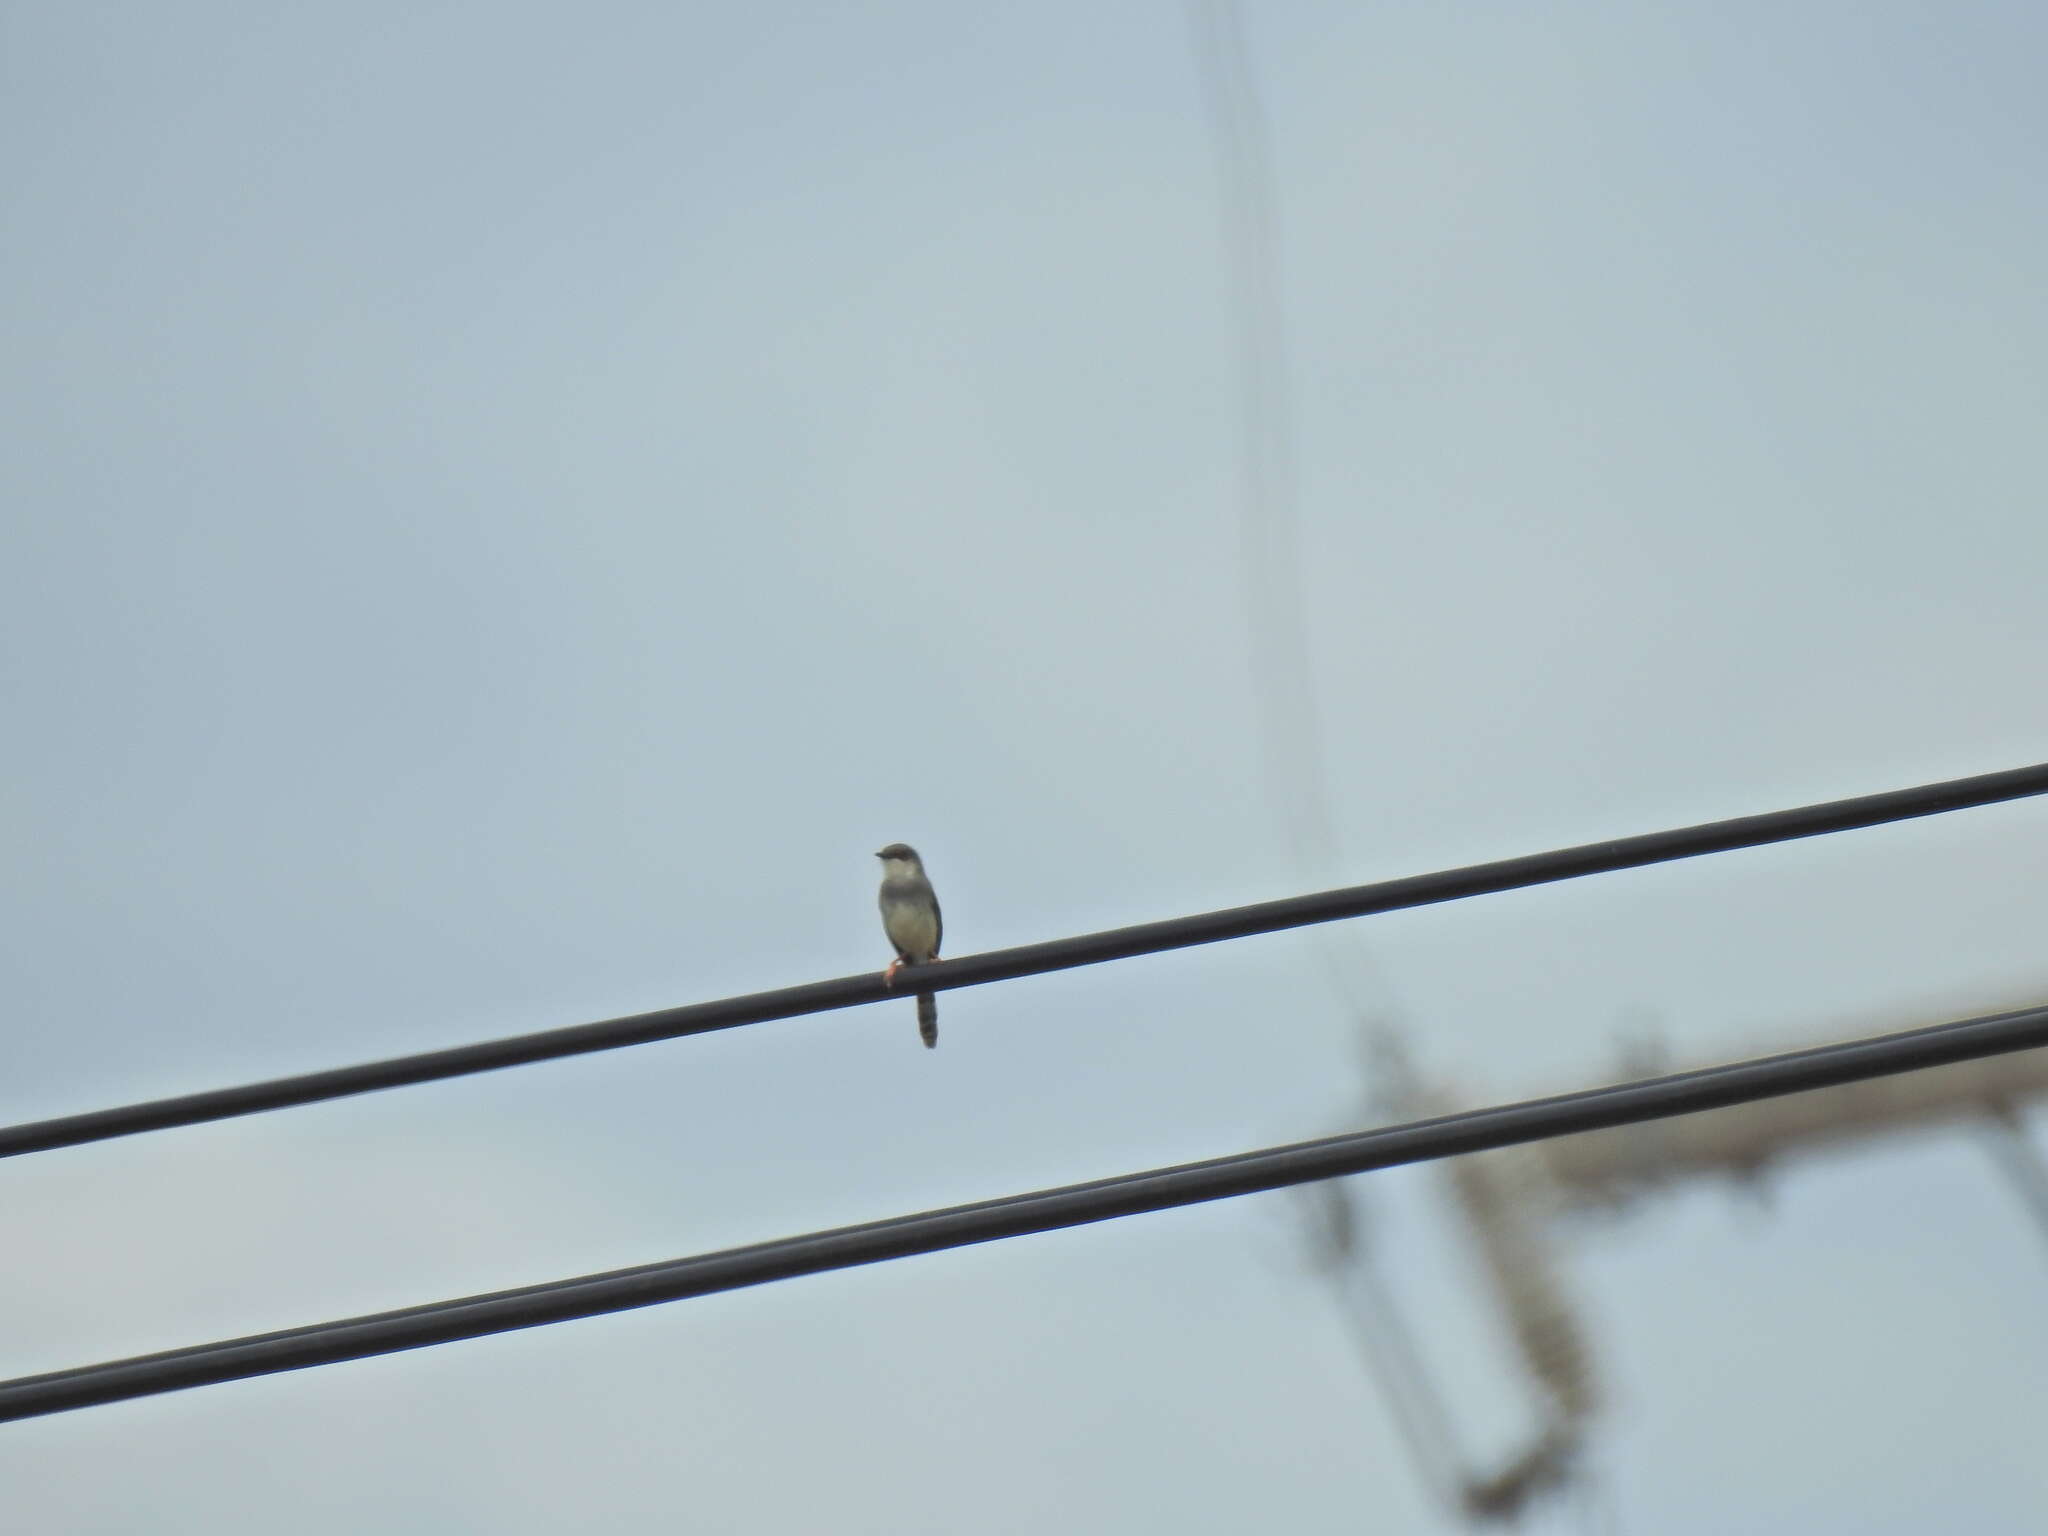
[910,918]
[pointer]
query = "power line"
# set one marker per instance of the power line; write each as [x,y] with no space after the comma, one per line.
[1032,959]
[1016,1215]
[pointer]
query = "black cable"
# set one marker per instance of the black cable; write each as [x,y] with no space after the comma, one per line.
[1031,959]
[1041,1211]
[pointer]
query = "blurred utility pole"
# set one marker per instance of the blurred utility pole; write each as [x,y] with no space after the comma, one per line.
[1513,1203]
[1610,1170]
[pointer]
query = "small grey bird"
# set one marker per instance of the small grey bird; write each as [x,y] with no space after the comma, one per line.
[910,917]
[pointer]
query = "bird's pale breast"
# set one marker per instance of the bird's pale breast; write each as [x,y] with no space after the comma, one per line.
[910,918]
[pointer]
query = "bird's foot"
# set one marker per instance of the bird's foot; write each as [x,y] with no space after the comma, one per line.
[889,972]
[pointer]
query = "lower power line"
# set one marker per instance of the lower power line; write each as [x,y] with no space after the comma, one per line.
[1016,1215]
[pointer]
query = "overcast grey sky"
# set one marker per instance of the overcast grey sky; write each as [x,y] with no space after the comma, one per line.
[508,505]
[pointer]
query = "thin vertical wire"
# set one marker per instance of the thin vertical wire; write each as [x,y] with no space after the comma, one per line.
[1292,751]
[2021,1161]
[1291,741]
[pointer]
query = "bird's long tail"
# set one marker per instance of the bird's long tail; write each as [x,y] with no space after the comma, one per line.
[928,1018]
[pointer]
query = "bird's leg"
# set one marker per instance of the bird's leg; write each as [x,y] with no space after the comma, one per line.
[889,971]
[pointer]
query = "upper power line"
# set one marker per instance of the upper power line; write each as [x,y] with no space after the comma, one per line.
[1040,1211]
[1033,959]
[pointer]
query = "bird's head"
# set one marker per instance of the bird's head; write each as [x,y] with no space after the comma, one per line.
[900,853]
